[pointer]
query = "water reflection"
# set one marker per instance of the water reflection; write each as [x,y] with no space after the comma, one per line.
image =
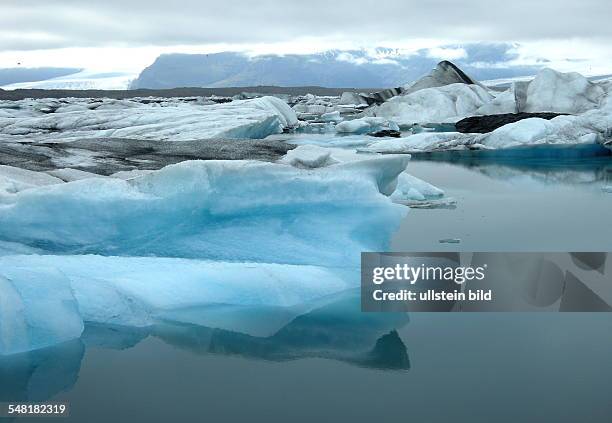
[579,165]
[337,331]
[39,375]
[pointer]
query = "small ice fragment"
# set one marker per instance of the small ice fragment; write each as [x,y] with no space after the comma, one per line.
[450,241]
[443,203]
[332,117]
[607,188]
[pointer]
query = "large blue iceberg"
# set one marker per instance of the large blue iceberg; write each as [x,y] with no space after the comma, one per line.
[197,233]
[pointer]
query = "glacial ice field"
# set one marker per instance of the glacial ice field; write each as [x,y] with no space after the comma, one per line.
[141,212]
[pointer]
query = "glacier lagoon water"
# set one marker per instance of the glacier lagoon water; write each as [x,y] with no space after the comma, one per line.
[338,364]
[514,205]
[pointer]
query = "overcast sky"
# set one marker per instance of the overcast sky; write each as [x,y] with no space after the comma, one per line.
[129,34]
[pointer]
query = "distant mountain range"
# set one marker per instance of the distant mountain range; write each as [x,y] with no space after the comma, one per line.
[381,67]
[374,68]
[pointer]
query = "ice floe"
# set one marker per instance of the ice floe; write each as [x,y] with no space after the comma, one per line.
[440,104]
[592,127]
[412,188]
[366,125]
[425,141]
[553,91]
[168,120]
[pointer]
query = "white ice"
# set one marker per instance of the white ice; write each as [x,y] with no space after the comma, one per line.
[171,120]
[425,141]
[412,188]
[332,117]
[503,102]
[440,104]
[553,91]
[366,125]
[14,179]
[408,187]
[589,125]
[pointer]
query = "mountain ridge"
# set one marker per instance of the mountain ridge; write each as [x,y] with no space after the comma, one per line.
[381,67]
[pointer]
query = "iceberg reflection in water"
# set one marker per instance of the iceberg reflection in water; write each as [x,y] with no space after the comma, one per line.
[336,331]
[39,375]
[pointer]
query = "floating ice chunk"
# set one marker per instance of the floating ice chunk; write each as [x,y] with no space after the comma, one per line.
[14,179]
[434,104]
[553,91]
[175,121]
[450,241]
[412,188]
[562,130]
[309,157]
[332,117]
[434,203]
[37,308]
[277,107]
[350,98]
[535,131]
[504,102]
[135,291]
[310,104]
[205,209]
[526,131]
[607,188]
[366,125]
[425,141]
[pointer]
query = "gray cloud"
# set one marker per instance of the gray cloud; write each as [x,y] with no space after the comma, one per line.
[31,24]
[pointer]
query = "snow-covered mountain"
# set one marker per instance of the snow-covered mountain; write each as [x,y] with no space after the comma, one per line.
[381,67]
